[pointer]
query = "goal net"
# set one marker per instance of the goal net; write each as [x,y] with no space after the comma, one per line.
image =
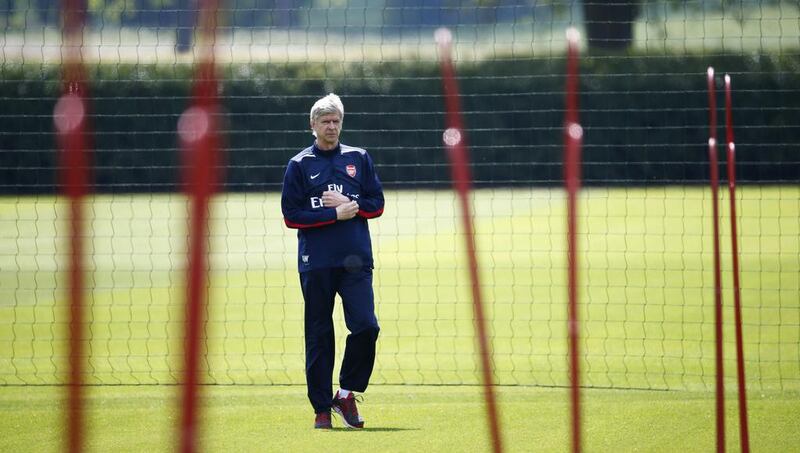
[646,288]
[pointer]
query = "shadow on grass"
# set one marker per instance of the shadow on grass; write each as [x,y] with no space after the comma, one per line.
[374,430]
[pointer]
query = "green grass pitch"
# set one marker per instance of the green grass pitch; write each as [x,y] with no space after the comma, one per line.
[646,305]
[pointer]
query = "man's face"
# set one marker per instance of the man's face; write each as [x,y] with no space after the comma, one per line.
[327,128]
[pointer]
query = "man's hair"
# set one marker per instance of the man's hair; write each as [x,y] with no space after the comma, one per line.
[327,105]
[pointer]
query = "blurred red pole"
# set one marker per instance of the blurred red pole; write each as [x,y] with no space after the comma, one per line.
[455,139]
[198,132]
[573,137]
[69,116]
[714,165]
[744,434]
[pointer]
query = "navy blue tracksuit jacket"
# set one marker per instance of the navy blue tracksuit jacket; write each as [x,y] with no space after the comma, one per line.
[322,241]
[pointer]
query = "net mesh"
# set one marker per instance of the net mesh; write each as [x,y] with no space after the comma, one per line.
[644,233]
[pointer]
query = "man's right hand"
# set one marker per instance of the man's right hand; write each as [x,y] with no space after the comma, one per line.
[346,211]
[331,199]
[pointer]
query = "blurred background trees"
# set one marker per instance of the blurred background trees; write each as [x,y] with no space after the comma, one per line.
[609,25]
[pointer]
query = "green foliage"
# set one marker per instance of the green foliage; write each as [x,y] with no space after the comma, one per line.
[645,119]
[21,14]
[111,11]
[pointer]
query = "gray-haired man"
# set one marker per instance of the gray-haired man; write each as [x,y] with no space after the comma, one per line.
[329,191]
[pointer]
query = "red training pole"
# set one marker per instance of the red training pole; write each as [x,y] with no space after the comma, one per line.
[573,137]
[744,435]
[458,153]
[198,132]
[712,158]
[69,117]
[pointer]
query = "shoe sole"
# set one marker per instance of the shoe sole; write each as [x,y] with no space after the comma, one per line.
[344,420]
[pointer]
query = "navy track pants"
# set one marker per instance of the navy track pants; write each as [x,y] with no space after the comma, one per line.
[320,287]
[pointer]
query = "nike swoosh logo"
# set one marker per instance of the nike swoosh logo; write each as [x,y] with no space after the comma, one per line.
[314,176]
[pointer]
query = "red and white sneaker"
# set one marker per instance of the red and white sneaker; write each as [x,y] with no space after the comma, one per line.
[346,407]
[323,421]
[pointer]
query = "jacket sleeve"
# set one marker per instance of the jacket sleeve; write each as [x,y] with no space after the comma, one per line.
[370,205]
[296,212]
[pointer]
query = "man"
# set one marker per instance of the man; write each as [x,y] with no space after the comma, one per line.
[329,191]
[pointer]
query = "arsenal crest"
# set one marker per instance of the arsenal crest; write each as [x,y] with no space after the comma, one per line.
[351,171]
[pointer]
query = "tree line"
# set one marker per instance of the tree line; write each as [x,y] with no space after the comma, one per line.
[608,25]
